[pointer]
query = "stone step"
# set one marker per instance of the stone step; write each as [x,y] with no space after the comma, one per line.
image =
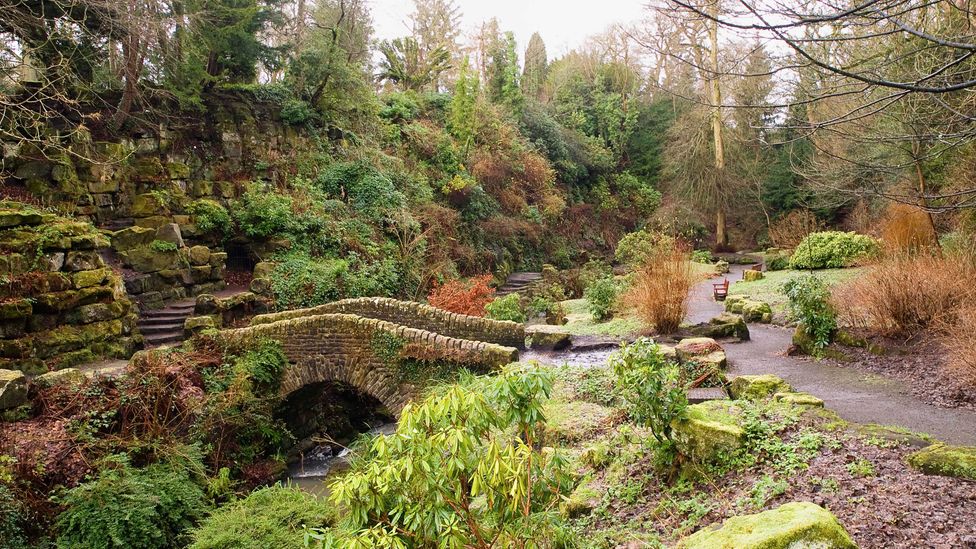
[165,315]
[160,320]
[161,328]
[156,340]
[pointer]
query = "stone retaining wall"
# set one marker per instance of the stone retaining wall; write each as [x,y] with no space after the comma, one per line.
[340,347]
[60,304]
[415,315]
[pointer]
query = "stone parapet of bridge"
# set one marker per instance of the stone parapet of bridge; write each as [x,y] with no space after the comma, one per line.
[415,315]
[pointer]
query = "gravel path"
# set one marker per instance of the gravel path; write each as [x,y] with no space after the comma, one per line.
[855,395]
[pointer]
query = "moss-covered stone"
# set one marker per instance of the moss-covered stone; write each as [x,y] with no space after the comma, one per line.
[15,309]
[132,237]
[199,255]
[154,221]
[86,279]
[757,311]
[197,324]
[147,260]
[545,336]
[15,218]
[758,387]
[261,286]
[148,205]
[710,430]
[201,188]
[798,399]
[948,461]
[13,389]
[581,502]
[696,346]
[733,303]
[66,376]
[177,170]
[752,276]
[147,168]
[789,526]
[96,312]
[723,326]
[83,261]
[264,269]
[72,338]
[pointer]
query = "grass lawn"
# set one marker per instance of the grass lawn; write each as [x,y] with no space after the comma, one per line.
[768,289]
[580,321]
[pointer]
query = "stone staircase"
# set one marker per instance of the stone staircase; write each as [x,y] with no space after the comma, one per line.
[518,283]
[164,326]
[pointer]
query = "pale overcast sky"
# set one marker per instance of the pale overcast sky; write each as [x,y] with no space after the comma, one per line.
[563,24]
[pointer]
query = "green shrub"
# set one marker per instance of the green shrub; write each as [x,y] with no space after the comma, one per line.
[262,214]
[296,112]
[640,247]
[809,304]
[210,217]
[651,387]
[275,516]
[505,308]
[702,256]
[126,507]
[545,305]
[601,297]
[162,246]
[264,362]
[12,520]
[832,249]
[363,187]
[302,281]
[778,262]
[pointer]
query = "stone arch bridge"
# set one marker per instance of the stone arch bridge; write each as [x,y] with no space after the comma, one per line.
[347,341]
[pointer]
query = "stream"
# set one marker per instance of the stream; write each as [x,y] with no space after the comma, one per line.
[325,462]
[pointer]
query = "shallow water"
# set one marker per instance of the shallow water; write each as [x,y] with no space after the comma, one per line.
[321,464]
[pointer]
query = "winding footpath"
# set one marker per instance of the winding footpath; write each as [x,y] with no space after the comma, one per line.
[856,396]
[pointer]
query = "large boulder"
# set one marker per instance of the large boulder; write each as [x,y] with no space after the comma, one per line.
[757,311]
[148,260]
[723,326]
[752,276]
[67,376]
[170,232]
[199,255]
[758,387]
[13,389]
[132,237]
[546,337]
[945,460]
[710,429]
[197,324]
[790,526]
[703,351]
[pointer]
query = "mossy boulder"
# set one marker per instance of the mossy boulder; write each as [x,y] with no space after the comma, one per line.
[83,261]
[545,336]
[13,389]
[16,309]
[758,387]
[723,326]
[798,399]
[757,311]
[261,286]
[948,461]
[264,269]
[170,232]
[710,430]
[147,260]
[199,255]
[575,420]
[87,279]
[197,324]
[704,351]
[132,237]
[789,526]
[16,217]
[67,376]
[149,205]
[752,276]
[581,502]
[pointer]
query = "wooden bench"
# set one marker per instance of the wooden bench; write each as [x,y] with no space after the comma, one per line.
[720,290]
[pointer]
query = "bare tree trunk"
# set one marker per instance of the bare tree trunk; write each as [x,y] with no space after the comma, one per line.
[721,237]
[922,189]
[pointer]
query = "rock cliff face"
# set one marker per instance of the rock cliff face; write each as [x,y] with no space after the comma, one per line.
[60,303]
